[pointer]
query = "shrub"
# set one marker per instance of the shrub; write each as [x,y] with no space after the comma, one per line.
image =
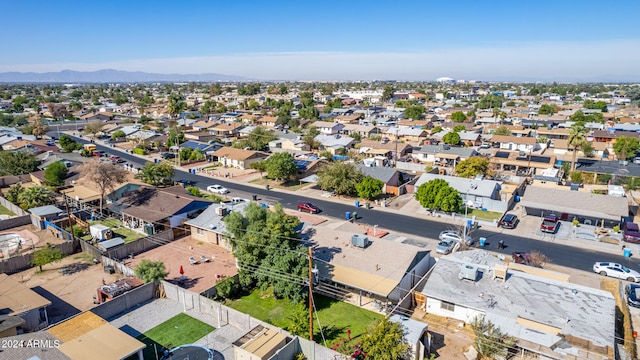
[139,151]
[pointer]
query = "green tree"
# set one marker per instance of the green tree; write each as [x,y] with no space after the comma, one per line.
[46,255]
[626,147]
[387,92]
[258,139]
[55,174]
[260,166]
[458,116]
[17,162]
[281,166]
[369,188]
[414,112]
[150,271]
[385,340]
[227,288]
[13,194]
[490,101]
[340,177]
[176,105]
[35,196]
[156,174]
[588,150]
[268,252]
[576,140]
[490,341]
[104,175]
[437,194]
[451,138]
[118,134]
[299,321]
[458,128]
[503,130]
[547,109]
[473,166]
[68,144]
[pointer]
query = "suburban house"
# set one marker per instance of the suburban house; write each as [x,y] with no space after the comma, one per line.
[328,128]
[149,209]
[363,131]
[552,134]
[443,154]
[547,315]
[23,307]
[470,138]
[238,158]
[561,147]
[209,227]
[391,178]
[484,194]
[203,125]
[267,121]
[226,129]
[289,142]
[348,119]
[101,116]
[229,117]
[388,149]
[202,136]
[515,143]
[567,205]
[407,134]
[416,124]
[333,143]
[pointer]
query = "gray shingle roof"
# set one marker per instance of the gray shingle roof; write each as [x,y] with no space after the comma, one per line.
[463,152]
[484,188]
[383,174]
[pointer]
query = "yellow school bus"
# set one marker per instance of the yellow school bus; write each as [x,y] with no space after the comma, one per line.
[90,147]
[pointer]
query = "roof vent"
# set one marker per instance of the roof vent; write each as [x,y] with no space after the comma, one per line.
[221,211]
[468,272]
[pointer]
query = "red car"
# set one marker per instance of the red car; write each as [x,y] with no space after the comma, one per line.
[307,206]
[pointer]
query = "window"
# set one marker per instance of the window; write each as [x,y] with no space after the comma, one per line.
[200,232]
[447,306]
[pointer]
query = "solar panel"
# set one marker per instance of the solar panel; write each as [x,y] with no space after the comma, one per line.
[538,159]
[502,154]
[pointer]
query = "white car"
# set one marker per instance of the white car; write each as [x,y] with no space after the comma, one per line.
[217,189]
[616,270]
[445,246]
[455,236]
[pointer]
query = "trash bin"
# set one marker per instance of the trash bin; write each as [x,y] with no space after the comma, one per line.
[501,244]
[354,215]
[357,203]
[347,215]
[626,253]
[483,241]
[267,187]
[255,197]
[367,205]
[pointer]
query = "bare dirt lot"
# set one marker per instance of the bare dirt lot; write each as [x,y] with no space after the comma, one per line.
[200,276]
[69,294]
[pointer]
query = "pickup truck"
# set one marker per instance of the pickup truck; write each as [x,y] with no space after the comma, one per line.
[549,224]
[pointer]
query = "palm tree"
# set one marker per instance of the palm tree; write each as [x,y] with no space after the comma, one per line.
[576,141]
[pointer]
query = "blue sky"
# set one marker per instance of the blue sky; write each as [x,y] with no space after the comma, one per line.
[328,40]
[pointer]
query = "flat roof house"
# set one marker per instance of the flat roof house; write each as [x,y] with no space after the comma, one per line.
[238,158]
[548,317]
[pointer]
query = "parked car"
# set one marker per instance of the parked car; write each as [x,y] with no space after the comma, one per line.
[509,221]
[631,232]
[309,207]
[217,189]
[632,291]
[99,153]
[168,156]
[445,246]
[455,236]
[521,257]
[116,159]
[549,224]
[616,270]
[186,183]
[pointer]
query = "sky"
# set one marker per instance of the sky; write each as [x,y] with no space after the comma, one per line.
[561,40]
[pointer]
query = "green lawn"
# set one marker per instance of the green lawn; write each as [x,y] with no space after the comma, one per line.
[335,316]
[484,215]
[179,330]
[290,185]
[5,211]
[127,235]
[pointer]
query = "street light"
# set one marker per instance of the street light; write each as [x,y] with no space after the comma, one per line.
[467,204]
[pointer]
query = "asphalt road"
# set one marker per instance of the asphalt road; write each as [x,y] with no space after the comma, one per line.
[560,254]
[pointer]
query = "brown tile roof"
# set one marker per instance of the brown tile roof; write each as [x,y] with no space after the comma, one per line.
[237,154]
[153,204]
[226,127]
[17,298]
[391,145]
[513,139]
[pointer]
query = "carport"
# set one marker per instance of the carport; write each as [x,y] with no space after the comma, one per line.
[567,205]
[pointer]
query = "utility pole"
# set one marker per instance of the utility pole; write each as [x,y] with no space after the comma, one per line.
[396,159]
[66,203]
[310,293]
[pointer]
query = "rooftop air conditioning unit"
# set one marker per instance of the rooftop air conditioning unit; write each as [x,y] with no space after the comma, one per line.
[468,272]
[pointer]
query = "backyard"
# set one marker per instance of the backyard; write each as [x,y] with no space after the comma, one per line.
[127,235]
[5,211]
[336,317]
[179,330]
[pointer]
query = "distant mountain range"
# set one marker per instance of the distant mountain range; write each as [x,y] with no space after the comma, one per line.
[110,76]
